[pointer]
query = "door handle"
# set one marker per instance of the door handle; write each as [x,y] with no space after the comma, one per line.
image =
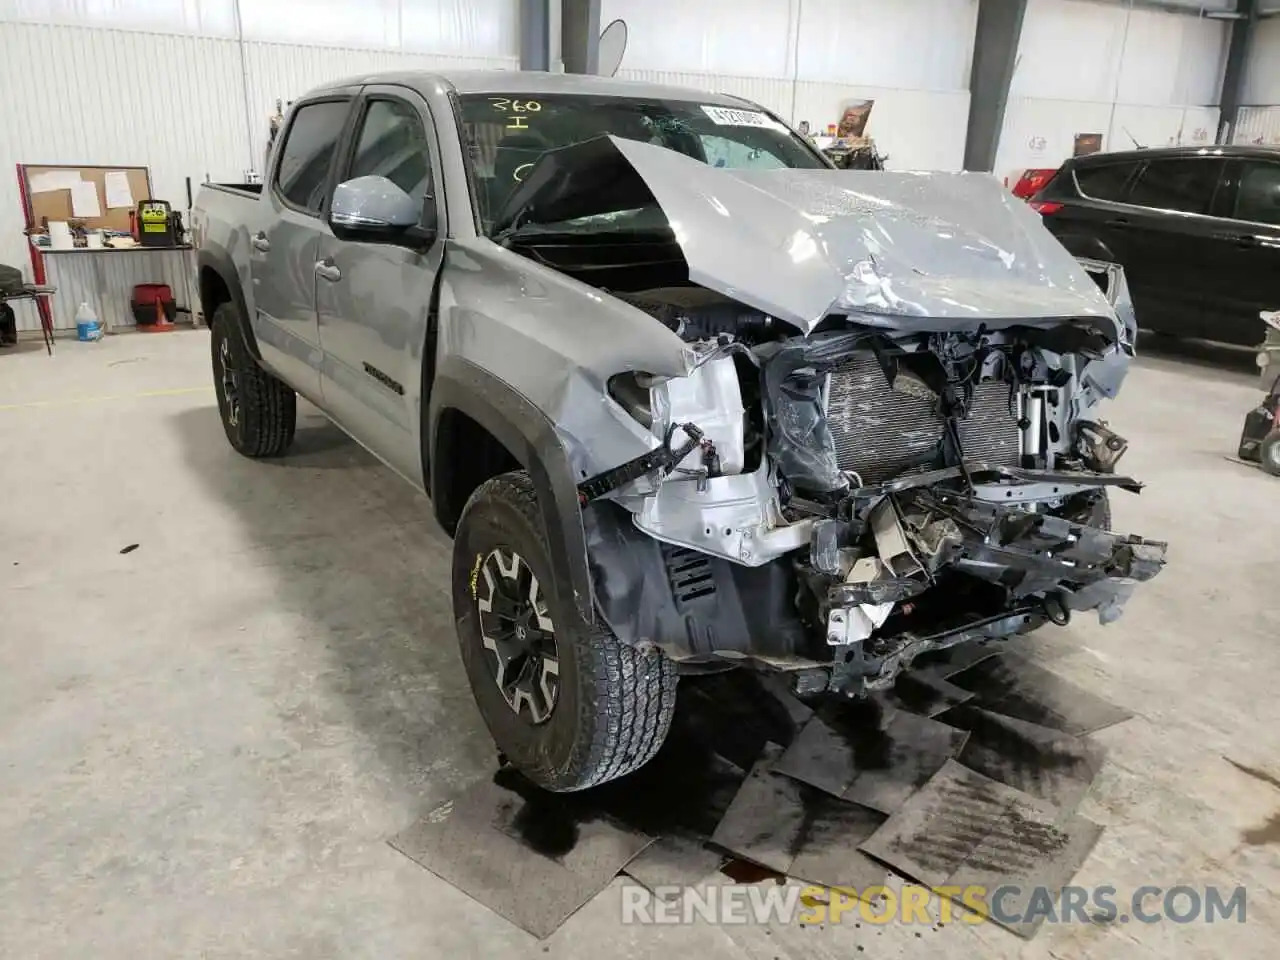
[1118,222]
[260,242]
[1248,240]
[327,269]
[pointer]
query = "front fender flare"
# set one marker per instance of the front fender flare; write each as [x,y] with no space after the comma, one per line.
[531,438]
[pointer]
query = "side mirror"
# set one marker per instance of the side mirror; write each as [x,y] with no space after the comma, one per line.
[373,209]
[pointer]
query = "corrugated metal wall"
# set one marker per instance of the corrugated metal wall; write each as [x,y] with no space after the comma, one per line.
[1128,73]
[804,58]
[1262,79]
[1259,125]
[182,104]
[287,70]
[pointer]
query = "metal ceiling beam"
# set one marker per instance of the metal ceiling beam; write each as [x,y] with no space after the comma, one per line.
[995,53]
[1187,9]
[580,35]
[535,35]
[1239,51]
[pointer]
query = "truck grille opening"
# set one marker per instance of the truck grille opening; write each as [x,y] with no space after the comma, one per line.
[881,433]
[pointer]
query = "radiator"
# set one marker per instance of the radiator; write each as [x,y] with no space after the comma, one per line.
[881,433]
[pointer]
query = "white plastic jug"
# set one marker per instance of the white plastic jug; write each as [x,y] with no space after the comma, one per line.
[87,326]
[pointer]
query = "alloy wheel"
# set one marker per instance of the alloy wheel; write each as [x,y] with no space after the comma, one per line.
[230,388]
[517,634]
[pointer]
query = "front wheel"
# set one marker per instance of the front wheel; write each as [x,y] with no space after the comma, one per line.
[569,705]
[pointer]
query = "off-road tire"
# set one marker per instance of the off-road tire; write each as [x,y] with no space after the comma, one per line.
[1269,454]
[614,703]
[266,410]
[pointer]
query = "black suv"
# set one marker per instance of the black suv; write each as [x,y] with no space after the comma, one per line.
[1197,230]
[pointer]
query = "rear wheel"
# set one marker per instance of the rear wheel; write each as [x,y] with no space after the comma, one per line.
[567,703]
[259,412]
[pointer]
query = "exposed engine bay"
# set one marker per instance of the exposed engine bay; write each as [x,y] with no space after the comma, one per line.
[845,480]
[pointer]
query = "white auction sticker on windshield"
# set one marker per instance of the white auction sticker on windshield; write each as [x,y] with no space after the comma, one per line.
[730,117]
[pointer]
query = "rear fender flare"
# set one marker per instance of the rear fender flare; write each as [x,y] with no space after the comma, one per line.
[218,260]
[531,438]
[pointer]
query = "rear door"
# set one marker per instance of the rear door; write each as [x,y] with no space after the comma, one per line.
[1170,242]
[1080,203]
[374,300]
[1247,257]
[284,243]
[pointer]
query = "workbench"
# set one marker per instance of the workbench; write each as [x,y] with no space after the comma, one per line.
[104,277]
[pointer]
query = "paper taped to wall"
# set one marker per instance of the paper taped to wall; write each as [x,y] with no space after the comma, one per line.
[52,180]
[84,200]
[118,192]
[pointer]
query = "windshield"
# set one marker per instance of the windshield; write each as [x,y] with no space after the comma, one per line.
[505,134]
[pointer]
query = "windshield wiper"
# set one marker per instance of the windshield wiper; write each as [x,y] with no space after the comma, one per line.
[536,231]
[529,231]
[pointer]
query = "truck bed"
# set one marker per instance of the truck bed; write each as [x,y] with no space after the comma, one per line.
[251,189]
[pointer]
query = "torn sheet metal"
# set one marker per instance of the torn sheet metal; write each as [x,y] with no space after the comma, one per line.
[1030,553]
[903,251]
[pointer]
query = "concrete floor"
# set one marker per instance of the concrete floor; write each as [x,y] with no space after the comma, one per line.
[205,742]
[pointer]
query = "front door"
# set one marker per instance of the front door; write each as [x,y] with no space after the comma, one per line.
[374,300]
[1247,260]
[285,239]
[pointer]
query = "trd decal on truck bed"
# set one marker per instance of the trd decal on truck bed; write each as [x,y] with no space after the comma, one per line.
[382,378]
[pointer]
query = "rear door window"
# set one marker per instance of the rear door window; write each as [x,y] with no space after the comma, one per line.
[1184,185]
[1105,181]
[1258,196]
[309,148]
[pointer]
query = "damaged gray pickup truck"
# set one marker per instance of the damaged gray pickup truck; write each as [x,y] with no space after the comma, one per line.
[683,394]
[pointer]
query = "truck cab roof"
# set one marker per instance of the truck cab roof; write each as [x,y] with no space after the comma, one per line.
[531,83]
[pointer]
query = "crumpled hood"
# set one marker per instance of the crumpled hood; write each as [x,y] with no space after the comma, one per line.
[897,250]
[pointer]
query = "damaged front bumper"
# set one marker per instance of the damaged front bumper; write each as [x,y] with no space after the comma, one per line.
[952,568]
[891,573]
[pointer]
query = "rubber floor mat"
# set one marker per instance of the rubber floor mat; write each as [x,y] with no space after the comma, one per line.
[796,830]
[1045,763]
[531,859]
[670,864]
[1018,688]
[925,694]
[870,754]
[737,713]
[951,660]
[963,829]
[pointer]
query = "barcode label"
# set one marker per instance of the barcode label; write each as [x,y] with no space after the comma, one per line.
[730,117]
